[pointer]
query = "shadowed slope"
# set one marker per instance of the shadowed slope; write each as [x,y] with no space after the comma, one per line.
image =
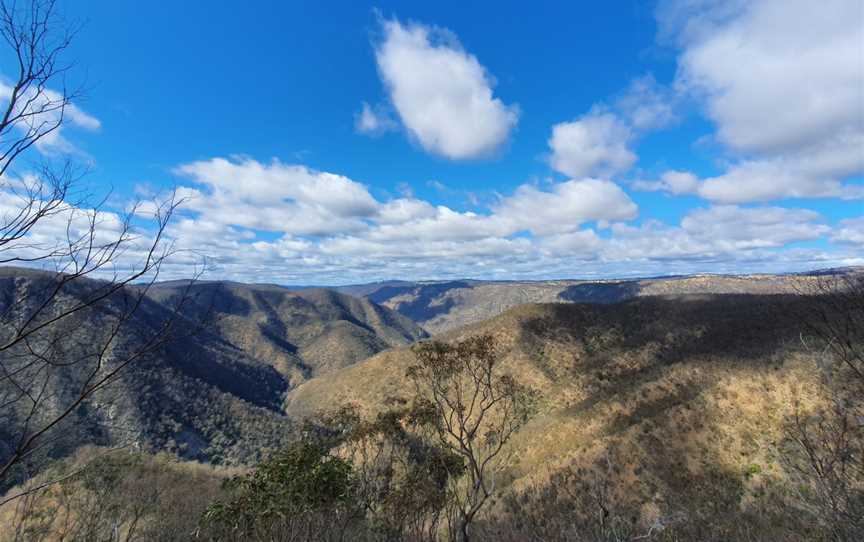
[214,390]
[302,334]
[442,306]
[195,394]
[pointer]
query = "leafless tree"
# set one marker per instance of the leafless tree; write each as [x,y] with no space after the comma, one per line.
[61,331]
[834,316]
[478,408]
[823,451]
[38,38]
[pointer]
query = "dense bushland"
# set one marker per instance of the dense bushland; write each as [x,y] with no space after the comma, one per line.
[102,494]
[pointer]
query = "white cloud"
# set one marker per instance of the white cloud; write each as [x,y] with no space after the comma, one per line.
[783,80]
[813,175]
[444,225]
[808,175]
[595,144]
[327,228]
[328,225]
[563,209]
[442,94]
[850,231]
[272,222]
[43,111]
[780,74]
[373,121]
[402,210]
[295,200]
[725,232]
[674,182]
[737,228]
[599,142]
[276,197]
[647,105]
[566,207]
[584,242]
[446,252]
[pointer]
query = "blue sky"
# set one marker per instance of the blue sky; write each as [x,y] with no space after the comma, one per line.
[345,142]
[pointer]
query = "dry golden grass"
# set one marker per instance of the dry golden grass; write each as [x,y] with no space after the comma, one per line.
[134,496]
[680,393]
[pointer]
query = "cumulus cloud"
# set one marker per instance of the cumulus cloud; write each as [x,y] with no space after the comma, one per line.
[296,200]
[599,143]
[564,208]
[581,242]
[594,144]
[808,175]
[568,205]
[535,232]
[262,217]
[442,94]
[452,244]
[288,223]
[780,74]
[444,225]
[783,80]
[275,196]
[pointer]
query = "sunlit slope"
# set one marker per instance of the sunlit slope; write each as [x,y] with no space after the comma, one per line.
[677,390]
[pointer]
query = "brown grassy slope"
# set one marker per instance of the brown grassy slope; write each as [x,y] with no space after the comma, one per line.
[301,334]
[679,391]
[102,494]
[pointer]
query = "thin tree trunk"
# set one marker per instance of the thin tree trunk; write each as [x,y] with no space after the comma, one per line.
[463,529]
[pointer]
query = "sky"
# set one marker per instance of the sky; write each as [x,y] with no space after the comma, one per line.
[344,142]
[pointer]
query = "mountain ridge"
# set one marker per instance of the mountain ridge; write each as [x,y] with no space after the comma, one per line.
[439,306]
[213,390]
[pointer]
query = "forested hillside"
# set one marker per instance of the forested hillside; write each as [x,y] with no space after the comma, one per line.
[208,365]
